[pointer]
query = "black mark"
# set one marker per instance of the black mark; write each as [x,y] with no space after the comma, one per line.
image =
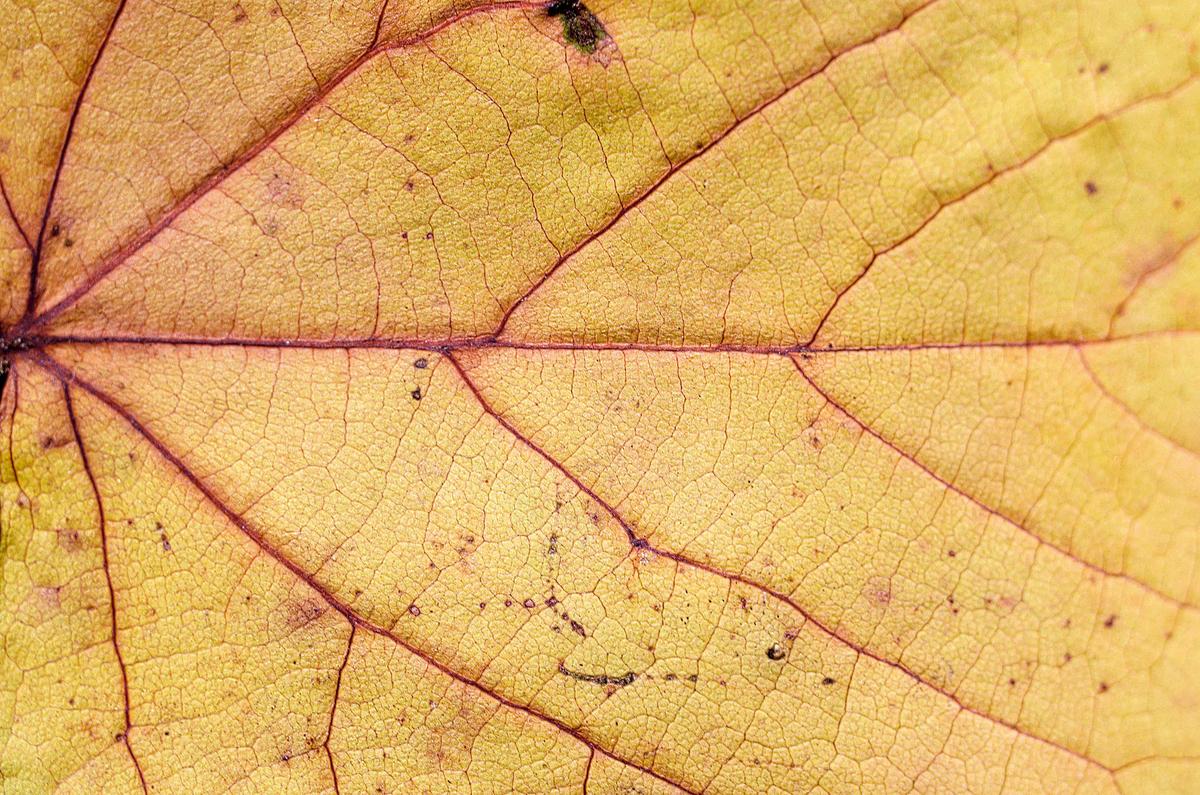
[580,26]
[775,652]
[829,680]
[416,393]
[421,363]
[625,679]
[1090,187]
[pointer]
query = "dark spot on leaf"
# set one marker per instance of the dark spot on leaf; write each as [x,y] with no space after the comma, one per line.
[775,652]
[1090,187]
[1103,687]
[421,363]
[1108,622]
[529,604]
[623,680]
[580,26]
[301,613]
[829,680]
[1102,68]
[55,230]
[414,611]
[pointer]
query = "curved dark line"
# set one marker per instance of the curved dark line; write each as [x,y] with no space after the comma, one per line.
[337,689]
[12,213]
[674,168]
[1128,409]
[216,177]
[636,542]
[1171,600]
[112,594]
[1104,117]
[31,296]
[68,377]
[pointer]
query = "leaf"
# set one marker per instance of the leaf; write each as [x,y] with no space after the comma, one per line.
[723,396]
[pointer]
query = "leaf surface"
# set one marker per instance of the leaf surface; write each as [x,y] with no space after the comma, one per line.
[722,396]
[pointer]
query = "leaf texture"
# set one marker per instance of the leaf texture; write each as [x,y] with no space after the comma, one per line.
[705,396]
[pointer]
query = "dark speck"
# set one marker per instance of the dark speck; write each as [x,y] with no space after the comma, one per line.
[775,652]
[580,26]
[421,363]
[1090,187]
[416,393]
[829,680]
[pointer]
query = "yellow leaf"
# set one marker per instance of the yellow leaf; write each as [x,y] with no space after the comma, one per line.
[531,396]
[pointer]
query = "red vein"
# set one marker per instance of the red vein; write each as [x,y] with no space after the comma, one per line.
[31,296]
[66,376]
[112,594]
[990,510]
[587,771]
[1050,142]
[1128,409]
[676,167]
[337,689]
[484,343]
[12,213]
[637,542]
[1161,264]
[202,188]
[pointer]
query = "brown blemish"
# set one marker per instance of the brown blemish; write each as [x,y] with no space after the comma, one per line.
[421,363]
[829,680]
[69,539]
[1110,621]
[1090,187]
[775,652]
[582,29]
[624,680]
[879,591]
[416,393]
[414,611]
[302,613]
